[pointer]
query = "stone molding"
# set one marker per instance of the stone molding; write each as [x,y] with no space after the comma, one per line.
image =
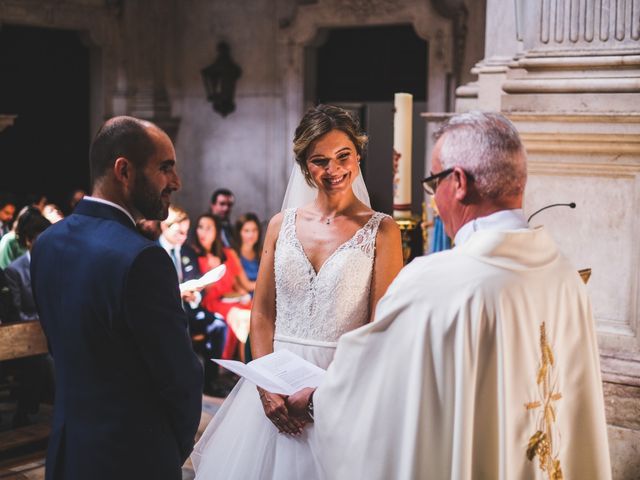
[604,143]
[367,8]
[604,117]
[583,169]
[579,62]
[577,74]
[308,19]
[302,26]
[616,368]
[94,18]
[572,85]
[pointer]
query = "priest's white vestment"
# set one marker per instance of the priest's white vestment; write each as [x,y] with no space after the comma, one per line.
[482,363]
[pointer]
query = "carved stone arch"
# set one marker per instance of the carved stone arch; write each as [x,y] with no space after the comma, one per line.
[94,25]
[301,28]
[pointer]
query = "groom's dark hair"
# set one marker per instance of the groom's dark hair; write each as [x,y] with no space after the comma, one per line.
[120,137]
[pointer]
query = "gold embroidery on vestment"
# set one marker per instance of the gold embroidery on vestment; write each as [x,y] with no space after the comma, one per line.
[541,443]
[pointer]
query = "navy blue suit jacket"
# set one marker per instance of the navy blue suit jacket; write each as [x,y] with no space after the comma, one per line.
[128,384]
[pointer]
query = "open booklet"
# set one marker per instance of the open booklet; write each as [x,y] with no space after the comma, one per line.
[212,276]
[281,372]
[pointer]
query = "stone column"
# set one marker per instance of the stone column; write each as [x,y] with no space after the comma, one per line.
[503,43]
[580,56]
[569,77]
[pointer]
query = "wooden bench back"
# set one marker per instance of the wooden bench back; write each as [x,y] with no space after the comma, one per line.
[22,339]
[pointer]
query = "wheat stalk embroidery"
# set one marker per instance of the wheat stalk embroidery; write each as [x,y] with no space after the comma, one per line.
[541,443]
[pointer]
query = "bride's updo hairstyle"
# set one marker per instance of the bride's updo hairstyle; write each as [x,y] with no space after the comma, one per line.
[319,121]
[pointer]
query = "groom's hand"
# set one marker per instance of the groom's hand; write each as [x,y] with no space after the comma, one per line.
[275,409]
[298,403]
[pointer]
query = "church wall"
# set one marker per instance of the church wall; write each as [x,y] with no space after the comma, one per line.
[147,56]
[249,151]
[242,151]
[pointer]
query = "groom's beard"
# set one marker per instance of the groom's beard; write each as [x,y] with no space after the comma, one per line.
[148,202]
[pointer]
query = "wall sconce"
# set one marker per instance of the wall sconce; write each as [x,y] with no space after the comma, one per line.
[220,80]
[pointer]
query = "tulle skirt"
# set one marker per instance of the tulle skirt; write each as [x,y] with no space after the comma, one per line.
[241,443]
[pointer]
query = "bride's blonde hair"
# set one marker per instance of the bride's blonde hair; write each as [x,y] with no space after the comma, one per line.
[319,121]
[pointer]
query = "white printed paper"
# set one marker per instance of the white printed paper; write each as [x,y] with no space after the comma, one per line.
[212,276]
[280,372]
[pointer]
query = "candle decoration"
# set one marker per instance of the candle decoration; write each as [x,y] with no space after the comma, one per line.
[402,136]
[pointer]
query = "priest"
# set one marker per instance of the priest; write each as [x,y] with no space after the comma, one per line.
[482,361]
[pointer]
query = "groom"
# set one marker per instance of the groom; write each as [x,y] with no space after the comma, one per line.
[482,361]
[128,393]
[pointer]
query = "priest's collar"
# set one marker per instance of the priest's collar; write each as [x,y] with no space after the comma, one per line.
[502,220]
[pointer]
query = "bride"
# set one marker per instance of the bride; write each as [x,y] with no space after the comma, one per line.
[324,267]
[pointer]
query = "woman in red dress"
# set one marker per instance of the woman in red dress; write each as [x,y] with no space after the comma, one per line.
[221,297]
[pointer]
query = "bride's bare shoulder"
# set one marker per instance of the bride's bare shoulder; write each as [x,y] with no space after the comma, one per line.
[276,221]
[388,231]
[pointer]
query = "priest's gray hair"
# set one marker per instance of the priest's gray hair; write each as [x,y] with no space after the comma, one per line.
[486,145]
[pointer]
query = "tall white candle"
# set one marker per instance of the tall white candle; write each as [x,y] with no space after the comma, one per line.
[402,127]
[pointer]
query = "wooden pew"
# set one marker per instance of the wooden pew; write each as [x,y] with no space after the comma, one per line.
[20,340]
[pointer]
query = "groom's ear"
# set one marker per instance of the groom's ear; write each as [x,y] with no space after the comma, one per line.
[123,171]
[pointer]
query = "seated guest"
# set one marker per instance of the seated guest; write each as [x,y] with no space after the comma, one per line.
[174,230]
[52,213]
[10,248]
[34,375]
[211,254]
[38,200]
[7,211]
[222,201]
[201,322]
[30,224]
[8,311]
[248,233]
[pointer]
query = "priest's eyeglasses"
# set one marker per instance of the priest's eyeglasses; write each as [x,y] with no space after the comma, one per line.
[430,184]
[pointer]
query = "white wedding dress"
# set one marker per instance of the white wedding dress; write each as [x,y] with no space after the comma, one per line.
[313,309]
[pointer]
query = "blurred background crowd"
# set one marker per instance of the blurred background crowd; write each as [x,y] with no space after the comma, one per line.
[218,315]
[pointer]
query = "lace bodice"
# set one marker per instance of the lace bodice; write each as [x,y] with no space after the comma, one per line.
[317,308]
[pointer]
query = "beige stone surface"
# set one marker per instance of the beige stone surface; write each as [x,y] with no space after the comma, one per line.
[624,445]
[622,404]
